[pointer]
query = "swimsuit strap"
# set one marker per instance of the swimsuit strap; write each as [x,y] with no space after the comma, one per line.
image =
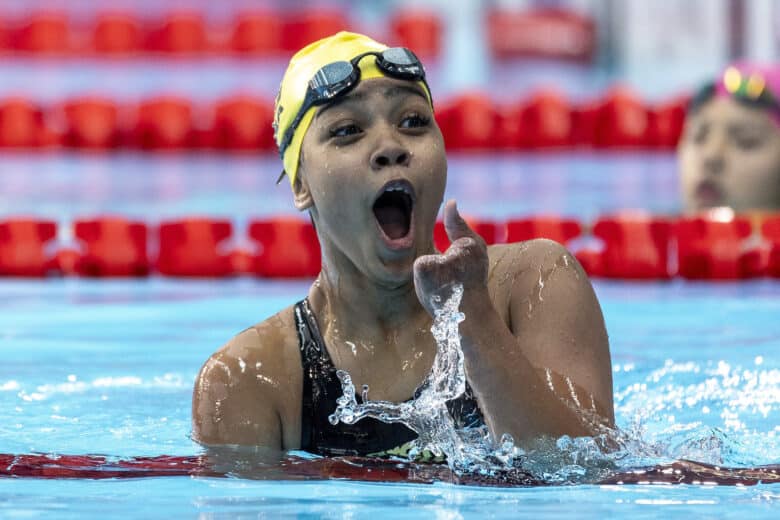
[311,353]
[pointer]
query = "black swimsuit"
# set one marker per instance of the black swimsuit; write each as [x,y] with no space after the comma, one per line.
[321,388]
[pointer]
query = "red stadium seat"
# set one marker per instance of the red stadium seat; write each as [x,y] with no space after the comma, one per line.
[44,33]
[288,248]
[667,121]
[243,123]
[770,229]
[303,27]
[22,125]
[547,122]
[623,121]
[91,123]
[117,34]
[635,247]
[257,33]
[418,30]
[192,247]
[561,230]
[164,123]
[469,122]
[112,247]
[180,33]
[714,246]
[23,244]
[491,232]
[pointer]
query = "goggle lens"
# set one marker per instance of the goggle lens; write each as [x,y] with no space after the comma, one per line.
[331,79]
[401,62]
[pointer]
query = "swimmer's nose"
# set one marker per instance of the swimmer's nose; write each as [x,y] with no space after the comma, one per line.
[390,156]
[714,165]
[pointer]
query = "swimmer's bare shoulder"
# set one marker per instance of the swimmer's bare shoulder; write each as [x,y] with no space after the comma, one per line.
[249,391]
[546,299]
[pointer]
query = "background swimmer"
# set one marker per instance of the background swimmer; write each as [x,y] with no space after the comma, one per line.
[366,159]
[729,154]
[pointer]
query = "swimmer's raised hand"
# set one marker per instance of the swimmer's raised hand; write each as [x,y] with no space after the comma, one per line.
[464,262]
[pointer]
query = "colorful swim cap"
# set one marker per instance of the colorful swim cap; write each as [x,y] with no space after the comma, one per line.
[756,84]
[342,46]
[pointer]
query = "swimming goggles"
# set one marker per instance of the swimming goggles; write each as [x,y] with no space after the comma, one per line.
[338,78]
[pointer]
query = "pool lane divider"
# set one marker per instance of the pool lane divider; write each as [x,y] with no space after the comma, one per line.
[713,245]
[41,466]
[470,122]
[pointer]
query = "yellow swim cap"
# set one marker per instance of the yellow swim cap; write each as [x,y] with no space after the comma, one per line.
[342,46]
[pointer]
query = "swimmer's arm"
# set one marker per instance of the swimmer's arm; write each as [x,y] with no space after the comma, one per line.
[233,403]
[549,373]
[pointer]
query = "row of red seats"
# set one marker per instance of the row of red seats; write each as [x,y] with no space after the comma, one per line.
[711,246]
[188,33]
[242,122]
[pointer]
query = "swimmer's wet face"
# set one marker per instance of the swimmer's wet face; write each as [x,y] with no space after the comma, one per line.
[372,173]
[730,156]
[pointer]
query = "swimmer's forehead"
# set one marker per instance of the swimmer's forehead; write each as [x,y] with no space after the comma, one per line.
[390,90]
[730,111]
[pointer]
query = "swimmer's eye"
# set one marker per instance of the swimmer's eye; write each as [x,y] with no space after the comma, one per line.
[346,130]
[748,142]
[415,121]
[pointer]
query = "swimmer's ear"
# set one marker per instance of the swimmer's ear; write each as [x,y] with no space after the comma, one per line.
[301,194]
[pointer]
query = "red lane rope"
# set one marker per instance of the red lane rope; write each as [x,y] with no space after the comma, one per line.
[98,467]
[353,468]
[714,245]
[241,123]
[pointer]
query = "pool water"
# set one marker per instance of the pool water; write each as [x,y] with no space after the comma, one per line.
[107,366]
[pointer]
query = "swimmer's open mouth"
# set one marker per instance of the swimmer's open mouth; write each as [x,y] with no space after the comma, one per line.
[393,210]
[708,193]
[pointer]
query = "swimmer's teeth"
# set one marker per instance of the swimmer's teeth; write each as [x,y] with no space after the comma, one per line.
[401,188]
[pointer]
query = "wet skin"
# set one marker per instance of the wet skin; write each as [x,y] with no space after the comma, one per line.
[730,156]
[535,346]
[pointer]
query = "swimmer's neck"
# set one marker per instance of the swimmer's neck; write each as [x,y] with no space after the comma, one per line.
[354,299]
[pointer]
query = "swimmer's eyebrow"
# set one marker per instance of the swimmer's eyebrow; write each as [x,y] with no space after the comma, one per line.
[389,93]
[351,97]
[397,90]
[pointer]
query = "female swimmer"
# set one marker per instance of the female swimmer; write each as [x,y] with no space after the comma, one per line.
[355,126]
[730,151]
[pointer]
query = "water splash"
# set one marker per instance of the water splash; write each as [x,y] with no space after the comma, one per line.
[466,449]
[569,460]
